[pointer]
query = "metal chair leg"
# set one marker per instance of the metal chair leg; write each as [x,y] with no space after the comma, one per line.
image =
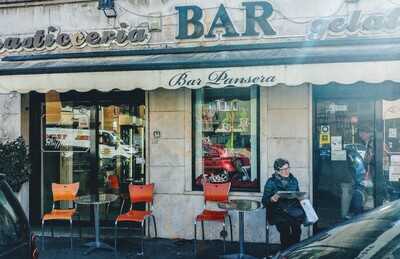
[195,239]
[142,241]
[80,226]
[266,240]
[52,228]
[155,225]
[202,229]
[70,228]
[42,234]
[147,220]
[122,206]
[230,226]
[224,236]
[107,212]
[115,235]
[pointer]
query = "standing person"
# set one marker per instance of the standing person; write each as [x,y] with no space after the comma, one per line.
[286,214]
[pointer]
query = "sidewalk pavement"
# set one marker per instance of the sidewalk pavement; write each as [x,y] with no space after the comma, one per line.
[58,248]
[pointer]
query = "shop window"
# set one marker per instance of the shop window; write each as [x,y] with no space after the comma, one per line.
[94,139]
[226,137]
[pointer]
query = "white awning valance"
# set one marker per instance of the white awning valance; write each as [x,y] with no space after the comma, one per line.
[291,75]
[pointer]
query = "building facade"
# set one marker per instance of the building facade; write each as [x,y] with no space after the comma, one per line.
[178,92]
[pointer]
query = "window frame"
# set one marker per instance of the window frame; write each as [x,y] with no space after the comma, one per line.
[257,137]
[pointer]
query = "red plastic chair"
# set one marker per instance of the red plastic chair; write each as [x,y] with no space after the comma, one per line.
[138,194]
[214,193]
[113,182]
[61,192]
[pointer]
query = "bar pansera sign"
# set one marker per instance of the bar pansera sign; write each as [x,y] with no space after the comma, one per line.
[54,38]
[218,78]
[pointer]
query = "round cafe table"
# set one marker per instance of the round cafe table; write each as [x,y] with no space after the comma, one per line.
[241,206]
[96,201]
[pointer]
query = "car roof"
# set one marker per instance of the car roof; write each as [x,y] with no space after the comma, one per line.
[376,228]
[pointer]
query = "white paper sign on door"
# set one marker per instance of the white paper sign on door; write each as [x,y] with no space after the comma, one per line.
[336,143]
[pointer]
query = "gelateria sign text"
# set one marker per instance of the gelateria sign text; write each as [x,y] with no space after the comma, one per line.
[357,23]
[53,38]
[218,78]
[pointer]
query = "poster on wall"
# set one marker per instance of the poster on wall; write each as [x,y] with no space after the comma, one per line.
[394,169]
[338,155]
[324,138]
[392,133]
[336,143]
[324,135]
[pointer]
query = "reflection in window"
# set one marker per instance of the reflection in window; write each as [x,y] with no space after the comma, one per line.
[225,130]
[10,232]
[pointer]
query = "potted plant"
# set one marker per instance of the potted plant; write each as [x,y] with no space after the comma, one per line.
[16,166]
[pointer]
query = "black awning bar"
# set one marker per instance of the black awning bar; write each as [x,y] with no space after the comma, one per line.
[78,67]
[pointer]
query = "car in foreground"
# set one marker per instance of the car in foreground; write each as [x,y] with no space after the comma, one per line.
[16,240]
[375,234]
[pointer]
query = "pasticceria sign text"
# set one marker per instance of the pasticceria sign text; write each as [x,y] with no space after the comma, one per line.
[53,38]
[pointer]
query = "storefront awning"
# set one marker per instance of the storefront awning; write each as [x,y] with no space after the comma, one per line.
[262,65]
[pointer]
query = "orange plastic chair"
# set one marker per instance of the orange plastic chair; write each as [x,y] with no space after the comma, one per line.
[138,194]
[214,193]
[61,192]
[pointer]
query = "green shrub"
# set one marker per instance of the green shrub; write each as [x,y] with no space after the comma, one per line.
[15,163]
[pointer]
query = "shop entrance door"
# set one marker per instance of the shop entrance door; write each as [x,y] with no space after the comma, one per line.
[99,143]
[356,149]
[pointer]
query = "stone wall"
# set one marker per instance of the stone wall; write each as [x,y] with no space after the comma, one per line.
[285,132]
[10,116]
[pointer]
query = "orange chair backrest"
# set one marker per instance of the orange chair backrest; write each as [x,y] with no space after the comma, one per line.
[64,192]
[217,192]
[113,181]
[141,193]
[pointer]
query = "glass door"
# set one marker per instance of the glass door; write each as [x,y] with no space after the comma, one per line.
[345,133]
[98,142]
[390,149]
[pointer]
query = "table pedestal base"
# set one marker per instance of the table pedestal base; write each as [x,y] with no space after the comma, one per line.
[97,245]
[237,256]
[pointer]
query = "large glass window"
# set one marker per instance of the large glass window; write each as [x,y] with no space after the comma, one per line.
[98,141]
[226,137]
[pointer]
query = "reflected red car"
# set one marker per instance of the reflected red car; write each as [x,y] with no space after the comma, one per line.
[216,158]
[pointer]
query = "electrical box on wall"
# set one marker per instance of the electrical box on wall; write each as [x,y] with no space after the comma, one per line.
[155,23]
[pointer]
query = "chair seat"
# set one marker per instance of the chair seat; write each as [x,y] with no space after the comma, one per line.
[212,215]
[134,216]
[57,214]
